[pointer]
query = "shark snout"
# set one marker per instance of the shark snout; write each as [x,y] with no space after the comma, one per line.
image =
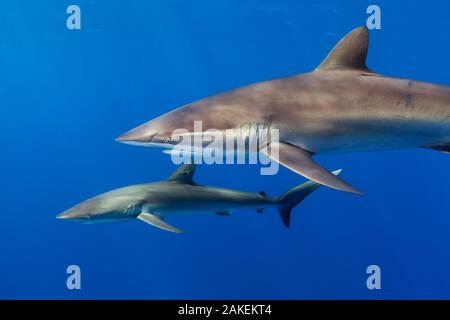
[72,215]
[62,217]
[147,138]
[65,216]
[136,137]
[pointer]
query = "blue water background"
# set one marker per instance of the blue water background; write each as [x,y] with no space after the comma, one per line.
[65,95]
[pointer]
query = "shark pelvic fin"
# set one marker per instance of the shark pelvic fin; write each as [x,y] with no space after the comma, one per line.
[157,222]
[301,162]
[349,53]
[184,174]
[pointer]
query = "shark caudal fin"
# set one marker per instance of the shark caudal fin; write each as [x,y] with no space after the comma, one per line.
[294,196]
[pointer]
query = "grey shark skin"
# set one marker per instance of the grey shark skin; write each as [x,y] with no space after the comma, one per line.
[342,106]
[180,195]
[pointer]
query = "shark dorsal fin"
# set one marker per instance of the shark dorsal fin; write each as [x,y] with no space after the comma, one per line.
[349,53]
[183,174]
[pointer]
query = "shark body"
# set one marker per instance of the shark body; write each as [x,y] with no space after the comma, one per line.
[342,106]
[180,195]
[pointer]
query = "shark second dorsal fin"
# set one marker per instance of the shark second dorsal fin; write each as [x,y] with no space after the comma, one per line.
[184,174]
[349,53]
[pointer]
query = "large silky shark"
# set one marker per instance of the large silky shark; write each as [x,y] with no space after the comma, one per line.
[341,106]
[180,195]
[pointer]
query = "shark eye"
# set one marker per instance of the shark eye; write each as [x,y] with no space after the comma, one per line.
[168,140]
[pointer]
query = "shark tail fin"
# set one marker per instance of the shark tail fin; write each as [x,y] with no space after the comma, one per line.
[294,196]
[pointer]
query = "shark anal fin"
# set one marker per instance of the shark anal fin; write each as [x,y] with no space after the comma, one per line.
[157,222]
[301,162]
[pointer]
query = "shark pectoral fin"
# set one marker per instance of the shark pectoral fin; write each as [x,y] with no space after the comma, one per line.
[157,222]
[301,162]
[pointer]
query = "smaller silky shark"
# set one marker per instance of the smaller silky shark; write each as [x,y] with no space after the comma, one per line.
[180,195]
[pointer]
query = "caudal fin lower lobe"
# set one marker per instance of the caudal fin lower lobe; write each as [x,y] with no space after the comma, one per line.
[294,196]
